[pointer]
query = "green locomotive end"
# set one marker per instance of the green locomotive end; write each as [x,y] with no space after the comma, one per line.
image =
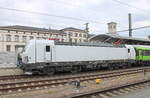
[142,53]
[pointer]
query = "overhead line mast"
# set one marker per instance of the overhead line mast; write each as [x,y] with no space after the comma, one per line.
[130,25]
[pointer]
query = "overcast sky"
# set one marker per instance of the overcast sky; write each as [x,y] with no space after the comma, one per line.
[96,12]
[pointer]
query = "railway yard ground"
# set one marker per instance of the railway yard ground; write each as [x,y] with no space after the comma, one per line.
[112,84]
[10,71]
[144,93]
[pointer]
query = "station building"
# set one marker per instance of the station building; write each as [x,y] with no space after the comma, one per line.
[14,37]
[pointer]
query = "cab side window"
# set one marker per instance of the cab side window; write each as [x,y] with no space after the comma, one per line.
[128,50]
[47,48]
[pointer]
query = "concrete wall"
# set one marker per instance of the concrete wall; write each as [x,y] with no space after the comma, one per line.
[8,64]
[7,59]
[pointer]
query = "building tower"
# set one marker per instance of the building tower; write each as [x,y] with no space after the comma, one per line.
[87,27]
[112,27]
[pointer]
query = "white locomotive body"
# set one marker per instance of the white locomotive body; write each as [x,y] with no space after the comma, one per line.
[44,56]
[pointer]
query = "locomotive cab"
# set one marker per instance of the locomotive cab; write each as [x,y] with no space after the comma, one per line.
[36,51]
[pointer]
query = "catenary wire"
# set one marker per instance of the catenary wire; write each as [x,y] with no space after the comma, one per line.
[51,15]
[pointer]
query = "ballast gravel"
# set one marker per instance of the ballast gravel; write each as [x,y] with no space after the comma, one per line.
[67,90]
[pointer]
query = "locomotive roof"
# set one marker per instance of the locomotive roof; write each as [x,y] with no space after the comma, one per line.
[89,44]
[143,48]
[52,42]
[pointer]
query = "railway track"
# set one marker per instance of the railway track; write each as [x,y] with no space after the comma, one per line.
[113,91]
[12,87]
[12,77]
[31,77]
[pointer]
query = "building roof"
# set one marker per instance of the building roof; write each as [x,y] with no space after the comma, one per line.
[73,29]
[90,35]
[29,28]
[113,38]
[112,22]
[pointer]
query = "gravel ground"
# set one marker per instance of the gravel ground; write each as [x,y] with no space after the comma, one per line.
[144,93]
[61,91]
[10,71]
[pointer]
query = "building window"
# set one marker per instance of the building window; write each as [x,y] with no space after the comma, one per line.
[16,38]
[44,38]
[85,40]
[79,40]
[80,35]
[70,33]
[75,40]
[24,38]
[47,48]
[37,37]
[56,35]
[8,38]
[76,34]
[50,35]
[31,37]
[114,26]
[111,27]
[70,40]
[62,40]
[85,35]
[8,48]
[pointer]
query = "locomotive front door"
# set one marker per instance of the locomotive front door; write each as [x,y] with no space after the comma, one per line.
[47,53]
[129,53]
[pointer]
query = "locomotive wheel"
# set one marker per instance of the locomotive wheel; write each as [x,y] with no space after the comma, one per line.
[116,67]
[49,70]
[111,67]
[75,69]
[124,66]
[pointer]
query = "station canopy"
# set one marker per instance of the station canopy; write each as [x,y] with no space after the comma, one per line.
[117,39]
